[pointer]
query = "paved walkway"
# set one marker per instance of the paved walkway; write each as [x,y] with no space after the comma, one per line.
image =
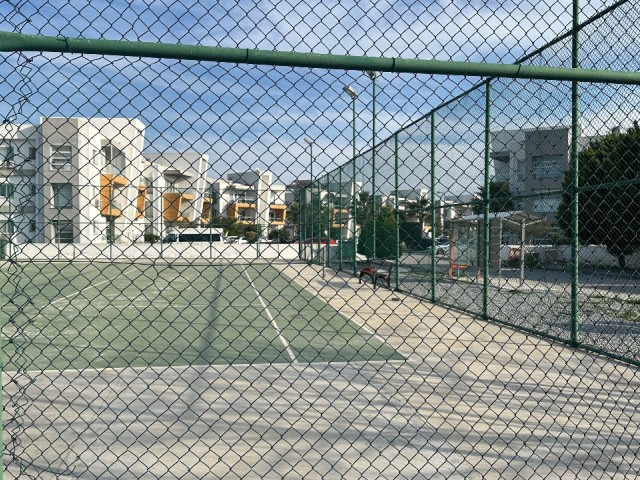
[472,400]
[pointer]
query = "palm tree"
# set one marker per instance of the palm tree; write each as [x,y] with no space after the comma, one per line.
[293,217]
[420,208]
[364,204]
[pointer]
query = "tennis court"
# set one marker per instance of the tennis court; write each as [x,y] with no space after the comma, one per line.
[114,315]
[230,371]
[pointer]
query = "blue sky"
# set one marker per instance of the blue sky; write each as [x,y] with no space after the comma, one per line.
[257,116]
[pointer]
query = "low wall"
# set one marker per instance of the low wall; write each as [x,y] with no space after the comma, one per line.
[79,251]
[588,255]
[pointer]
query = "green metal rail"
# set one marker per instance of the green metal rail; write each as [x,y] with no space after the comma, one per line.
[17,42]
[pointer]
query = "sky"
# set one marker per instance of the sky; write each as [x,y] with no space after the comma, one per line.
[246,116]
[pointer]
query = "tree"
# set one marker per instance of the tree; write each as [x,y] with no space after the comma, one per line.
[420,208]
[608,215]
[279,234]
[293,215]
[385,235]
[364,205]
[500,199]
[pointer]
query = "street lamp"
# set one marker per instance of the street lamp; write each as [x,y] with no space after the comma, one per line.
[372,75]
[310,143]
[352,93]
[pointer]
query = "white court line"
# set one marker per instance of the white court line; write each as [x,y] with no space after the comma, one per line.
[215,366]
[66,297]
[273,322]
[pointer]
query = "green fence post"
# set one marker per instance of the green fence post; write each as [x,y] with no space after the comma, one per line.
[433,206]
[373,76]
[395,152]
[486,238]
[575,117]
[301,218]
[326,256]
[340,224]
[354,201]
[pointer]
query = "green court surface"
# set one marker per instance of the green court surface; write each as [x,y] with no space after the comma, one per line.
[99,315]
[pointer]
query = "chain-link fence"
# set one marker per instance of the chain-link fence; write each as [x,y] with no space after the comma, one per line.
[267,240]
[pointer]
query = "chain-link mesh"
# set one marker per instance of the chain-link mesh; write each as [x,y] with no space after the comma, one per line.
[222,270]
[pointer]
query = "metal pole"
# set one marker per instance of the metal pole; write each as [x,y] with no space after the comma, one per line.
[58,231]
[302,207]
[373,75]
[112,227]
[433,207]
[340,189]
[310,143]
[575,117]
[500,250]
[329,222]
[160,190]
[486,238]
[522,234]
[396,181]
[355,188]
[17,42]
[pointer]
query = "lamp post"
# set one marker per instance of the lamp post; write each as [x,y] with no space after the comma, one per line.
[372,75]
[310,143]
[352,93]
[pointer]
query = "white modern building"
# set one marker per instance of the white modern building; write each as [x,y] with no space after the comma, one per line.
[251,198]
[86,180]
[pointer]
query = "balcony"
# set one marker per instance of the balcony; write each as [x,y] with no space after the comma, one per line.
[111,175]
[141,200]
[500,178]
[206,211]
[336,217]
[185,193]
[277,214]
[174,199]
[111,209]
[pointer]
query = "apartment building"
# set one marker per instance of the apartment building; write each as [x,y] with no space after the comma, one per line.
[251,198]
[335,196]
[86,180]
[533,163]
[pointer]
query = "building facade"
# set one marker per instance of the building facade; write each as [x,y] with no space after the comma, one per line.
[87,180]
[532,162]
[249,198]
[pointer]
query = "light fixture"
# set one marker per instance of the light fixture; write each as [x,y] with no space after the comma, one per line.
[350,91]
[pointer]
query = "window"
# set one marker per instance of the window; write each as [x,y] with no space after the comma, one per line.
[546,204]
[63,231]
[61,156]
[62,195]
[95,157]
[6,227]
[522,171]
[32,226]
[32,153]
[548,166]
[6,155]
[6,190]
[95,197]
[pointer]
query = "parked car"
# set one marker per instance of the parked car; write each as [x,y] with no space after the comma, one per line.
[443,245]
[233,239]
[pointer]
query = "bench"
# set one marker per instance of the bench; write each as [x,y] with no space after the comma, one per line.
[379,269]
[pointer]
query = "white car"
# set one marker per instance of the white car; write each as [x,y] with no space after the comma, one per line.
[234,240]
